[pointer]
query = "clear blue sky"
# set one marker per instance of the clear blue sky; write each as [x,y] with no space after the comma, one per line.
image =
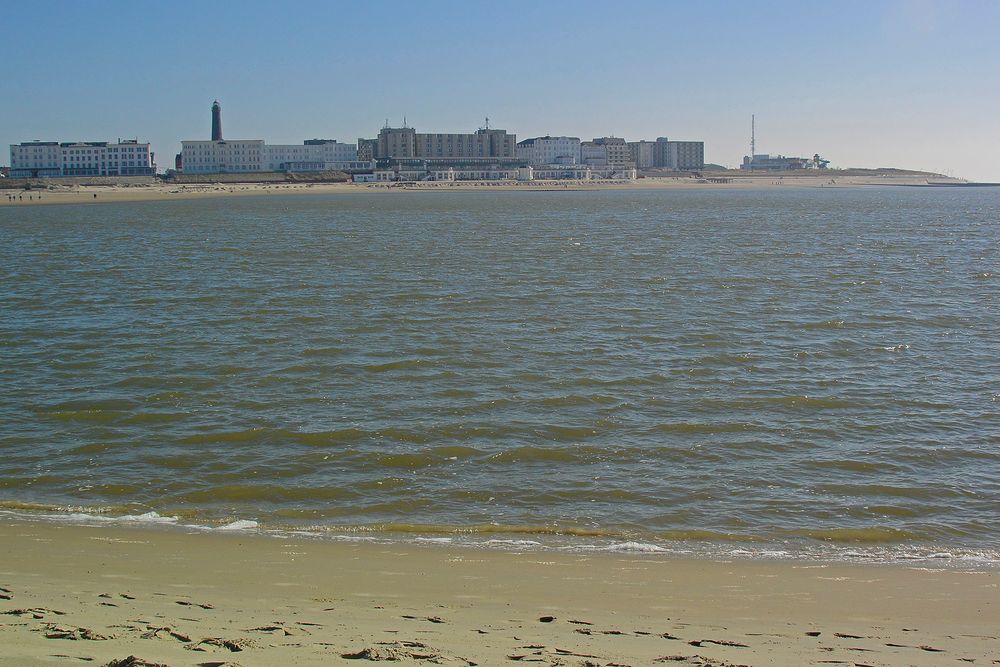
[907,83]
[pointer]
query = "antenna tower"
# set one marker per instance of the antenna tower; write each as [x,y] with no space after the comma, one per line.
[753,136]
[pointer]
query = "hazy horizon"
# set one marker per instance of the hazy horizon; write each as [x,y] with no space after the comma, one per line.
[893,84]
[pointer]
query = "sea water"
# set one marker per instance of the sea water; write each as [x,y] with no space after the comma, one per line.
[792,372]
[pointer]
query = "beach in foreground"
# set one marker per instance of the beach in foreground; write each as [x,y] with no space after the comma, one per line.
[81,595]
[168,191]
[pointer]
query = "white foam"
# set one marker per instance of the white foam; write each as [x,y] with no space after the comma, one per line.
[774,553]
[634,547]
[512,543]
[148,517]
[242,524]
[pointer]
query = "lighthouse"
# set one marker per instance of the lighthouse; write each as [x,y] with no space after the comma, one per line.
[216,121]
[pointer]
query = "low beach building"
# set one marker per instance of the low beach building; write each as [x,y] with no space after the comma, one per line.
[765,162]
[389,170]
[43,159]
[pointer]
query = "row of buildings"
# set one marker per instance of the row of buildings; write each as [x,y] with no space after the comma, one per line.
[41,159]
[397,153]
[254,155]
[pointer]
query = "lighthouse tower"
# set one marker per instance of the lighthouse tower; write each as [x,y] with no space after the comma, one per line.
[216,121]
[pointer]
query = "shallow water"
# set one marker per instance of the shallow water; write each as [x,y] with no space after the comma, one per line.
[801,371]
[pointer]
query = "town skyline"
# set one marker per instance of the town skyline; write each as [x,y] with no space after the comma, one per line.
[863,86]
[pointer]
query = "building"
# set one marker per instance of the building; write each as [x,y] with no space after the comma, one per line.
[242,156]
[616,148]
[642,153]
[406,142]
[765,162]
[220,157]
[679,155]
[255,155]
[35,159]
[367,148]
[40,159]
[490,169]
[216,121]
[311,155]
[616,172]
[606,151]
[593,154]
[549,150]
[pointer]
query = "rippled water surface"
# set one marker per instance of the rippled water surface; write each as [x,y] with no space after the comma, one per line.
[793,367]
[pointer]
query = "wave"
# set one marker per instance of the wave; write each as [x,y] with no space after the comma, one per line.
[699,428]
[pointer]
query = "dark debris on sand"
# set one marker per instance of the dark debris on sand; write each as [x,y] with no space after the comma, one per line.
[393,651]
[53,631]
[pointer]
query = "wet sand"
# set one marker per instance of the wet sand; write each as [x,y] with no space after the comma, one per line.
[160,192]
[81,595]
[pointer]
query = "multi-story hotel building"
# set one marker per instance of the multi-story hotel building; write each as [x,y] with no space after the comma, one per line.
[549,150]
[38,159]
[406,142]
[642,153]
[606,151]
[617,149]
[212,157]
[310,155]
[679,155]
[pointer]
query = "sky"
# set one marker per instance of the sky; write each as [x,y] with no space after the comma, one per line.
[881,83]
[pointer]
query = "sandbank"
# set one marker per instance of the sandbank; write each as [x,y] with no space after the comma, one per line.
[89,595]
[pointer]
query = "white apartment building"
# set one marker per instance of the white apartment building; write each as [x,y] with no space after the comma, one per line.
[35,159]
[594,154]
[549,150]
[213,157]
[311,155]
[38,159]
[604,151]
[618,150]
[253,155]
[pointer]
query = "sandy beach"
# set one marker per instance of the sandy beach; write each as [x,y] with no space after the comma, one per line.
[97,194]
[96,595]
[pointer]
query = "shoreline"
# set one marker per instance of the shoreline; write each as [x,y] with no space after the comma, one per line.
[99,194]
[178,598]
[694,545]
